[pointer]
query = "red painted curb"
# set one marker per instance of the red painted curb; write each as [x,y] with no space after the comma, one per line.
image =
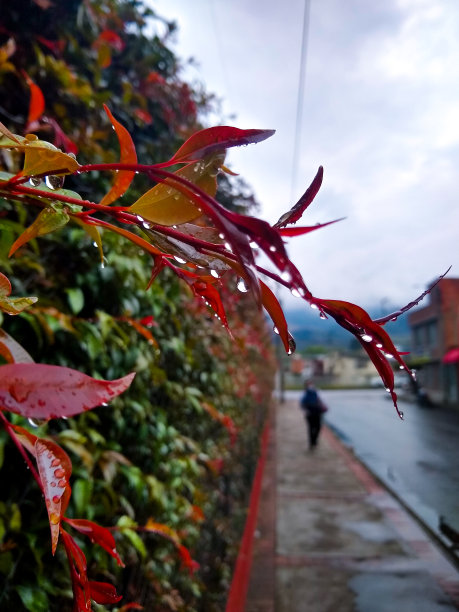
[240,581]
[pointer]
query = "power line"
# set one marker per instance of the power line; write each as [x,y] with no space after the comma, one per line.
[300,98]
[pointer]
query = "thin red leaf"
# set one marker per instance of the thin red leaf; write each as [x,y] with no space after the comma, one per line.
[215,139]
[111,38]
[371,336]
[128,156]
[296,212]
[37,100]
[203,289]
[78,568]
[274,309]
[101,535]
[299,231]
[41,391]
[394,315]
[186,559]
[5,285]
[54,469]
[103,592]
[12,351]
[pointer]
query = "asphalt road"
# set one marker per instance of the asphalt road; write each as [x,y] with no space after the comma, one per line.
[418,458]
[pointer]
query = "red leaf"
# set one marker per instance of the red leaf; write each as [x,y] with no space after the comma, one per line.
[54,468]
[299,231]
[111,38]
[103,593]
[143,115]
[37,100]
[128,156]
[371,336]
[78,567]
[205,290]
[12,351]
[131,606]
[274,309]
[97,533]
[215,139]
[42,391]
[187,561]
[297,211]
[5,285]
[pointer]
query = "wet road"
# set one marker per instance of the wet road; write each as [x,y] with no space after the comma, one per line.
[418,458]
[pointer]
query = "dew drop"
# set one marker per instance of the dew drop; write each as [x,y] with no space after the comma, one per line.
[174,227]
[295,293]
[221,236]
[394,319]
[322,315]
[179,260]
[241,286]
[286,276]
[367,338]
[379,345]
[401,414]
[55,462]
[387,389]
[272,248]
[56,499]
[53,484]
[275,330]
[54,182]
[389,356]
[253,245]
[35,182]
[147,224]
[59,473]
[94,244]
[214,273]
[36,422]
[401,367]
[228,246]
[62,483]
[314,306]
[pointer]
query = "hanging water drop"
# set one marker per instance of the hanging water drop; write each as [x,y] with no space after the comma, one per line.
[314,306]
[35,182]
[295,293]
[275,330]
[401,414]
[147,224]
[322,315]
[221,236]
[54,182]
[286,276]
[366,337]
[253,245]
[36,422]
[214,273]
[272,248]
[228,246]
[241,286]
[379,345]
[179,259]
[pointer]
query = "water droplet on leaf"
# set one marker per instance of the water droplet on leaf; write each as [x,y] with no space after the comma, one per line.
[54,182]
[275,330]
[35,182]
[366,337]
[242,286]
[295,293]
[214,273]
[36,422]
[179,260]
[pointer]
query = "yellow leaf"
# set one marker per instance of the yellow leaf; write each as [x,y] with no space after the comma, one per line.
[40,157]
[166,205]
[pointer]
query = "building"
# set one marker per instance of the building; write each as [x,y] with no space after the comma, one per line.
[435,343]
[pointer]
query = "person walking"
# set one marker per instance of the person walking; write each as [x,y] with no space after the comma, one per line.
[313,408]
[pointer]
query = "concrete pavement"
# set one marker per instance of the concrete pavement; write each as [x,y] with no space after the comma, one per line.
[330,538]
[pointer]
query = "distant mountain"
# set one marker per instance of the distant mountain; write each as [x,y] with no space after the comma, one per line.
[309,329]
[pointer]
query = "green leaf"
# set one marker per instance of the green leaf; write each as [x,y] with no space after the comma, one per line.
[33,598]
[49,220]
[81,495]
[75,297]
[15,518]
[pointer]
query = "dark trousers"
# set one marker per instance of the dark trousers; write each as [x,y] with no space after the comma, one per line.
[314,424]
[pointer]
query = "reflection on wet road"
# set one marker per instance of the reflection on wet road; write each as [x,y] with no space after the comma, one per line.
[419,456]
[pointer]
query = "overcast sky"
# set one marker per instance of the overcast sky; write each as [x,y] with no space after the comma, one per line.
[380,113]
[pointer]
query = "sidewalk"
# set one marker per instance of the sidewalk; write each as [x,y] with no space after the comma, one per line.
[330,538]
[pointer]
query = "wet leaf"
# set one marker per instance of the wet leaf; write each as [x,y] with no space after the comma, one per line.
[103,592]
[41,391]
[206,290]
[10,305]
[49,220]
[217,138]
[299,231]
[306,199]
[94,234]
[40,157]
[54,468]
[274,309]
[123,178]
[100,535]
[166,205]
